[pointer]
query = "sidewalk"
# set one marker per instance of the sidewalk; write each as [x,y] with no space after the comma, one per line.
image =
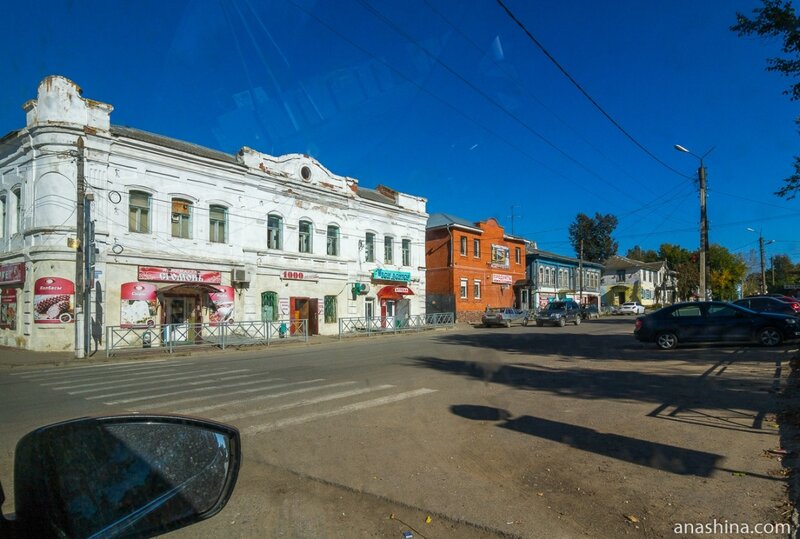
[16,358]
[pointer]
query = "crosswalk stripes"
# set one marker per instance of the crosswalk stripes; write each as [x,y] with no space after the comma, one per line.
[237,396]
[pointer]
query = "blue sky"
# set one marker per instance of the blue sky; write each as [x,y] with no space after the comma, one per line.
[451,101]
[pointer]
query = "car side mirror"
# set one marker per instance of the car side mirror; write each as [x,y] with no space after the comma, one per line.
[125,475]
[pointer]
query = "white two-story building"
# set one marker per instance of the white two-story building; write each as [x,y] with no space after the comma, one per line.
[649,283]
[189,234]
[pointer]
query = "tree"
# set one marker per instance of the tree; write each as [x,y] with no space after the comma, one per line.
[777,18]
[595,232]
[781,273]
[726,271]
[686,264]
[637,253]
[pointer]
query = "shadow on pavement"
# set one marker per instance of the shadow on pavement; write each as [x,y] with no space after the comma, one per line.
[660,456]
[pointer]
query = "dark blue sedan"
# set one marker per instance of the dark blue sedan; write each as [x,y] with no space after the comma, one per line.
[714,321]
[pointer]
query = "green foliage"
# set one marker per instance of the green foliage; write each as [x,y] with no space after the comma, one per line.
[637,253]
[595,232]
[726,270]
[782,272]
[777,18]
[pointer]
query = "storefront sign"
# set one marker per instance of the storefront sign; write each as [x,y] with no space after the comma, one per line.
[8,308]
[390,275]
[53,301]
[283,307]
[221,306]
[12,273]
[500,256]
[501,278]
[299,276]
[138,305]
[172,275]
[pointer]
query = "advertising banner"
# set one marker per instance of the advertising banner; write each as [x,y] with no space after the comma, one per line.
[173,275]
[138,305]
[8,308]
[53,301]
[12,273]
[221,306]
[500,256]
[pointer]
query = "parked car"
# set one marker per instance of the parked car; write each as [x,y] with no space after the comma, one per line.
[714,321]
[767,304]
[558,313]
[794,302]
[502,316]
[589,311]
[631,307]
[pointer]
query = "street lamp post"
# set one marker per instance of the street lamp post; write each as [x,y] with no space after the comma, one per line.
[701,173]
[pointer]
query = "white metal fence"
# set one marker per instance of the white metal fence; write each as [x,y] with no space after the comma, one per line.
[380,325]
[168,337]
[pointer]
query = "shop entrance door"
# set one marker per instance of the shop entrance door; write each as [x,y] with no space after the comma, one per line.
[305,309]
[389,313]
[402,312]
[178,312]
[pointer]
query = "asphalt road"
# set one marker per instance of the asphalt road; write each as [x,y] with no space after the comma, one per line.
[526,431]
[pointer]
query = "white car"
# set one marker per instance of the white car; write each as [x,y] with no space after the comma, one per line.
[631,307]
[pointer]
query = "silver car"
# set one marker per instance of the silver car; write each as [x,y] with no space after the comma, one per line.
[503,316]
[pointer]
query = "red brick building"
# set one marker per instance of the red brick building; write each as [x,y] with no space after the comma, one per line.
[472,266]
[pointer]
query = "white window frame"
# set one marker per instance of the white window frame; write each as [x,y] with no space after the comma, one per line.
[305,238]
[275,233]
[464,288]
[476,288]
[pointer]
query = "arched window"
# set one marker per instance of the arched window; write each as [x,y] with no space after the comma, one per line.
[181,218]
[217,223]
[274,232]
[333,240]
[305,236]
[139,212]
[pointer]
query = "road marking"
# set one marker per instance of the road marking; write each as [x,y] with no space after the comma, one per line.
[134,391]
[181,392]
[165,404]
[304,402]
[63,370]
[261,397]
[141,381]
[275,425]
[103,377]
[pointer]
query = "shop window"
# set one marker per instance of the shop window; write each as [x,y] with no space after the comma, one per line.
[269,306]
[463,246]
[330,309]
[217,221]
[17,224]
[388,250]
[476,289]
[369,248]
[274,232]
[306,231]
[139,212]
[333,240]
[181,218]
[464,285]
[406,252]
[476,248]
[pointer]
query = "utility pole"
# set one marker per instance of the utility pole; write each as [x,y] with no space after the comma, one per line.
[88,260]
[80,272]
[701,173]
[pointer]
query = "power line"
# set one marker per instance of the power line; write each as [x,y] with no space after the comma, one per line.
[585,93]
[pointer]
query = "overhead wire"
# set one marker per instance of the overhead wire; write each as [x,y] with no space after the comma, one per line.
[585,93]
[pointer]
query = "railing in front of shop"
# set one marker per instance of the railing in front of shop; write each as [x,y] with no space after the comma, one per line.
[381,325]
[169,337]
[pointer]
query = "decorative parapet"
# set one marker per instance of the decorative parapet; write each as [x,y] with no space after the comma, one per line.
[59,101]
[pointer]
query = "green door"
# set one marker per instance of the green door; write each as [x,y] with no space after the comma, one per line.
[269,306]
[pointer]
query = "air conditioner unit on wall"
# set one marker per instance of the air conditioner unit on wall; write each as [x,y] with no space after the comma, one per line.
[240,276]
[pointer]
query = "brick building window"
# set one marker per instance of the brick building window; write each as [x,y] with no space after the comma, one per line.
[464,285]
[463,246]
[476,248]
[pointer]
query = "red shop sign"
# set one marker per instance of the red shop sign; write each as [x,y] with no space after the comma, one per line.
[299,276]
[173,275]
[12,273]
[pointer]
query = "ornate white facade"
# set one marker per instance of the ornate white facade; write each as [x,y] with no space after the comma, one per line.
[283,236]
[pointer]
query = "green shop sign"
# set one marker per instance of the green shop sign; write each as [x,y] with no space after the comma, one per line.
[389,275]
